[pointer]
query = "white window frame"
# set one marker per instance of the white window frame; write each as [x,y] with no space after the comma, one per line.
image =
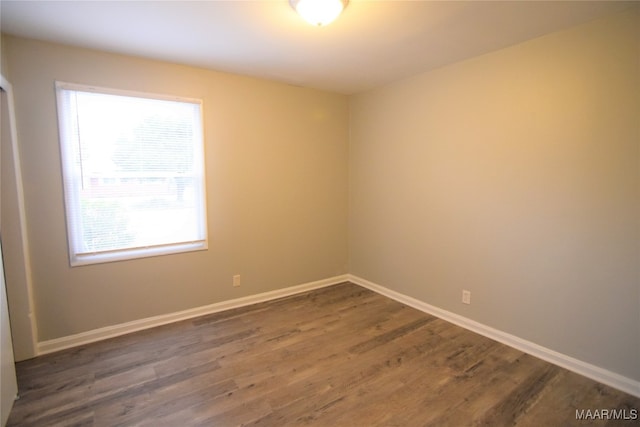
[72,180]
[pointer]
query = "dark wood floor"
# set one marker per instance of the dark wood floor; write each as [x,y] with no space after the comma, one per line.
[338,356]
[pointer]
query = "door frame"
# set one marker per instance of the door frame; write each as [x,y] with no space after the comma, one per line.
[6,87]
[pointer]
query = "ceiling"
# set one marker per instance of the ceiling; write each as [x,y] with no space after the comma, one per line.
[373,43]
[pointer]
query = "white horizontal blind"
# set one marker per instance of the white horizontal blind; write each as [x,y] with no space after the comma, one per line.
[133,174]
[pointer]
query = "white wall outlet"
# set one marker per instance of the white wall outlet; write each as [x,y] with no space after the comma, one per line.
[466,297]
[236,280]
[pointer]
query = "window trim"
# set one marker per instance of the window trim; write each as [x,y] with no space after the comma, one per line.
[79,258]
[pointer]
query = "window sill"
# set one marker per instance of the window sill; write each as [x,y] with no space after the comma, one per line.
[129,254]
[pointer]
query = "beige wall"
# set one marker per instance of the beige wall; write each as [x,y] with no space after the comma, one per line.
[4,69]
[514,175]
[276,163]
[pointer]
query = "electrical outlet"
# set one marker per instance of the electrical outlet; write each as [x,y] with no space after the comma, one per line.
[466,297]
[236,280]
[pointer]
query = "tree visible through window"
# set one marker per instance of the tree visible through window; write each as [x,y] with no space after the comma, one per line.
[133,174]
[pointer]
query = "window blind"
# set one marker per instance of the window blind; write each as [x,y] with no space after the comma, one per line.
[133,168]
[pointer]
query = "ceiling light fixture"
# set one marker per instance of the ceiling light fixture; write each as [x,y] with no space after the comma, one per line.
[319,12]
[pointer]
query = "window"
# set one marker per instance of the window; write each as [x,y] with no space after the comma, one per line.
[133,169]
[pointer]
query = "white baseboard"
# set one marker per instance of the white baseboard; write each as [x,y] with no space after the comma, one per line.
[94,335]
[588,370]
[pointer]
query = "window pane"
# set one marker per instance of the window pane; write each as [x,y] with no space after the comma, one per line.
[133,169]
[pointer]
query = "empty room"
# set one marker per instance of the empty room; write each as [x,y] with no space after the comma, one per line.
[320,212]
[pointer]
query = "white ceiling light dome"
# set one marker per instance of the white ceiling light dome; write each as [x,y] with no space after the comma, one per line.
[319,12]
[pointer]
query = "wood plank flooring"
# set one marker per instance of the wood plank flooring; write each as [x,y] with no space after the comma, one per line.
[337,356]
